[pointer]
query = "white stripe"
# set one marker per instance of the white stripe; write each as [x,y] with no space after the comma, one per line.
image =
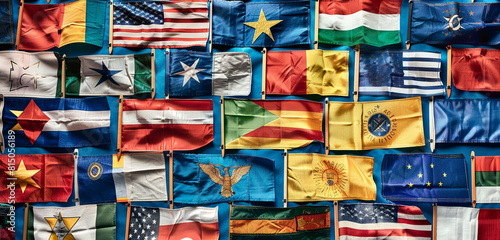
[167,117]
[160,43]
[191,15]
[421,74]
[347,237]
[381,22]
[75,120]
[423,83]
[160,35]
[170,25]
[421,64]
[416,91]
[422,55]
[411,216]
[181,5]
[488,194]
[188,214]
[383,225]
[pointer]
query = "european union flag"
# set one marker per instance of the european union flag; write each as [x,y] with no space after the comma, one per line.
[6,26]
[95,179]
[190,74]
[461,23]
[261,24]
[425,178]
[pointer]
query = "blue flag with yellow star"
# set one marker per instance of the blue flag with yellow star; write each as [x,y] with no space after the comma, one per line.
[425,178]
[261,24]
[461,23]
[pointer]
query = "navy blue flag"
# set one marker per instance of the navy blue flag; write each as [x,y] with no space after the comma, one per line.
[261,24]
[6,26]
[95,179]
[467,120]
[400,73]
[461,23]
[190,74]
[425,178]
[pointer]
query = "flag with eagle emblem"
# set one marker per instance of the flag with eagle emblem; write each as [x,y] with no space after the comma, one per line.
[209,178]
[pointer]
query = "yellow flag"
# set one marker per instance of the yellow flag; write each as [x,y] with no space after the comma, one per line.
[319,177]
[373,125]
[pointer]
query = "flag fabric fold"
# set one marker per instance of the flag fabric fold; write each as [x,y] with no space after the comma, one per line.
[36,178]
[166,124]
[271,124]
[195,223]
[6,23]
[319,72]
[458,223]
[193,74]
[209,178]
[382,221]
[372,22]
[318,177]
[261,24]
[475,69]
[467,120]
[95,179]
[455,23]
[373,125]
[259,223]
[487,179]
[45,26]
[400,73]
[425,178]
[57,122]
[161,24]
[99,75]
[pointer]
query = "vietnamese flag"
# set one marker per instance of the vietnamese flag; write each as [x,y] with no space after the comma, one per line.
[36,178]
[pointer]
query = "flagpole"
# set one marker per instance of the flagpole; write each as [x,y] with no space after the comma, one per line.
[110,43]
[336,218]
[473,177]
[434,221]
[432,128]
[167,70]
[63,76]
[356,73]
[210,26]
[19,20]
[285,179]
[120,126]
[75,164]
[153,74]
[171,177]
[408,30]
[448,76]
[327,126]
[127,228]
[25,227]
[222,146]
[264,72]
[316,24]
[2,140]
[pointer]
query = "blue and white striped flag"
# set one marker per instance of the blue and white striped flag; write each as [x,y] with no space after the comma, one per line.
[400,74]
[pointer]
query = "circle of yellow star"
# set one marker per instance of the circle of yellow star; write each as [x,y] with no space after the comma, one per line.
[432,165]
[23,176]
[409,166]
[440,184]
[410,184]
[262,26]
[420,175]
[428,184]
[444,174]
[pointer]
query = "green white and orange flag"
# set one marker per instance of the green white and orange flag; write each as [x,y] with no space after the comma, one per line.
[271,124]
[488,179]
[351,22]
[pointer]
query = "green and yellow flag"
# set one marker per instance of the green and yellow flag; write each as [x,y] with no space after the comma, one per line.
[319,177]
[373,125]
[271,124]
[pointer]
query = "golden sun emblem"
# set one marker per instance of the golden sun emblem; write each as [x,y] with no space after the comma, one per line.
[330,179]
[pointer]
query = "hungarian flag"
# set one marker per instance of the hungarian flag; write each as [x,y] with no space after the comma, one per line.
[488,179]
[99,75]
[194,223]
[305,222]
[319,177]
[319,72]
[271,124]
[45,26]
[89,222]
[475,69]
[36,178]
[57,122]
[166,124]
[30,74]
[351,22]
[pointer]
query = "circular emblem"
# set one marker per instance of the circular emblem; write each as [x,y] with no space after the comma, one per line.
[330,176]
[94,171]
[379,124]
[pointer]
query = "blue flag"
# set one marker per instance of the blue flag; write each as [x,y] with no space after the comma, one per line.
[261,24]
[461,23]
[57,122]
[209,178]
[467,120]
[400,73]
[190,74]
[95,179]
[425,178]
[6,26]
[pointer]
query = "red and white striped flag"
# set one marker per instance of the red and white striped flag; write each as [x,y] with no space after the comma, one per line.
[382,221]
[166,124]
[173,24]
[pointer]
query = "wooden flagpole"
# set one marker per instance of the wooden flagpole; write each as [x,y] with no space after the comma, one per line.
[153,74]
[25,227]
[63,76]
[75,164]
[167,70]
[432,129]
[171,178]
[327,126]
[473,177]
[356,73]
[110,43]
[127,228]
[264,72]
[285,179]
[210,47]
[434,220]
[19,21]
[120,125]
[448,75]
[222,146]
[336,219]
[316,24]
[2,140]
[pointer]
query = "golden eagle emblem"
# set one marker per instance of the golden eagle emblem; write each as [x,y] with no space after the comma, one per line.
[226,180]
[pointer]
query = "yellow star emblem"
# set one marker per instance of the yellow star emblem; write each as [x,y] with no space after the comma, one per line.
[61,227]
[420,175]
[262,26]
[432,165]
[410,184]
[428,184]
[409,166]
[440,184]
[444,174]
[23,176]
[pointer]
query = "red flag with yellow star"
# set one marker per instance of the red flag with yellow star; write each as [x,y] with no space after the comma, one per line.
[36,178]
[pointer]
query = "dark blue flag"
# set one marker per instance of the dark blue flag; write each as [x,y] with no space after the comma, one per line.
[95,179]
[261,24]
[462,23]
[6,26]
[425,178]
[190,74]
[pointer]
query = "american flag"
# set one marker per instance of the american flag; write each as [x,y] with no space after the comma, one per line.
[173,24]
[382,221]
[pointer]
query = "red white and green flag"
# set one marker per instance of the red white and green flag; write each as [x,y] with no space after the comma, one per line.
[352,22]
[488,179]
